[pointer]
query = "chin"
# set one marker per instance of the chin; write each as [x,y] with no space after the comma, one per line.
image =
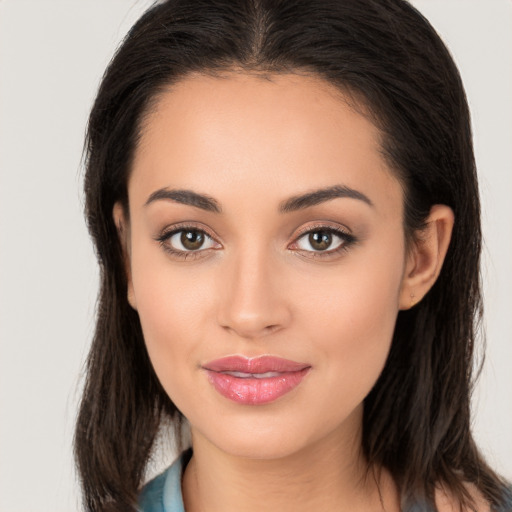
[265,438]
[263,448]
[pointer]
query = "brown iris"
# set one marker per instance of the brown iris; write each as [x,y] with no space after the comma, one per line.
[320,240]
[192,240]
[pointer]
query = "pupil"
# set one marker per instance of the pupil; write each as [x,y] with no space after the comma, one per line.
[320,240]
[192,240]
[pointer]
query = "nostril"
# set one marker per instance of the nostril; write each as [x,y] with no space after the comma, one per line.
[251,328]
[240,330]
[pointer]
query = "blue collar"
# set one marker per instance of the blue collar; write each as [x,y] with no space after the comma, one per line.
[163,493]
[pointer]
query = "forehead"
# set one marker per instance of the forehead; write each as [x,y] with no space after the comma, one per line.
[272,135]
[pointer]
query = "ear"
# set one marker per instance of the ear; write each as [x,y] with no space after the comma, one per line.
[123,232]
[426,257]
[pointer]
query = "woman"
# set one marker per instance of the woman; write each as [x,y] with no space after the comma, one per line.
[284,204]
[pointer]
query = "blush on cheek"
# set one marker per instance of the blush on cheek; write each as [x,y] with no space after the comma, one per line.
[358,323]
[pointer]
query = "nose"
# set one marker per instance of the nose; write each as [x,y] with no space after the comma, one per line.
[252,297]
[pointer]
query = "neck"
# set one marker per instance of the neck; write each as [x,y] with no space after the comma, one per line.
[328,475]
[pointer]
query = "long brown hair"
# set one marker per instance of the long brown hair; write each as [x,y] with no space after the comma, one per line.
[417,417]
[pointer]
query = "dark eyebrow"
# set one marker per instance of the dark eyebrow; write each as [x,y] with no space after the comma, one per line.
[295,203]
[320,196]
[186,197]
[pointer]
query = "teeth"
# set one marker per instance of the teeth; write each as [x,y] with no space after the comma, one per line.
[243,375]
[266,375]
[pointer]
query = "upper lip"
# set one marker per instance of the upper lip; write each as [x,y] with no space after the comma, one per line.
[262,364]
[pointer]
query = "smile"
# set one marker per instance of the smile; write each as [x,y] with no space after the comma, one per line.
[255,381]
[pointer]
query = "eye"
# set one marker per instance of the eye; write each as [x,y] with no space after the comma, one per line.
[190,240]
[185,241]
[324,239]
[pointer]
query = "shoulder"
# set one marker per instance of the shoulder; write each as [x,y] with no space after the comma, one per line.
[447,502]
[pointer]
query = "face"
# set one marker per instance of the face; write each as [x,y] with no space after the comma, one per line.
[266,259]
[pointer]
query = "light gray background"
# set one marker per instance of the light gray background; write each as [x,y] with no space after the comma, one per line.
[52,55]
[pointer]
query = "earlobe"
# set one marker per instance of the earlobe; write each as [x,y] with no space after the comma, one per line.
[123,232]
[426,258]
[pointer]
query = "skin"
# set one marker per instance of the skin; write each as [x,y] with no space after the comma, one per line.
[258,287]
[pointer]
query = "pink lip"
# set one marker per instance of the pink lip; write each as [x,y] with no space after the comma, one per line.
[253,390]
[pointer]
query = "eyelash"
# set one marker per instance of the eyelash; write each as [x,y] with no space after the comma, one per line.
[164,237]
[347,240]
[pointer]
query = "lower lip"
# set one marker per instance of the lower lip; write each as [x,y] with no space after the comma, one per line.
[252,391]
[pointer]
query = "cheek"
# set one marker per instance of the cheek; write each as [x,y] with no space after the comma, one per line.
[168,304]
[350,318]
[172,306]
